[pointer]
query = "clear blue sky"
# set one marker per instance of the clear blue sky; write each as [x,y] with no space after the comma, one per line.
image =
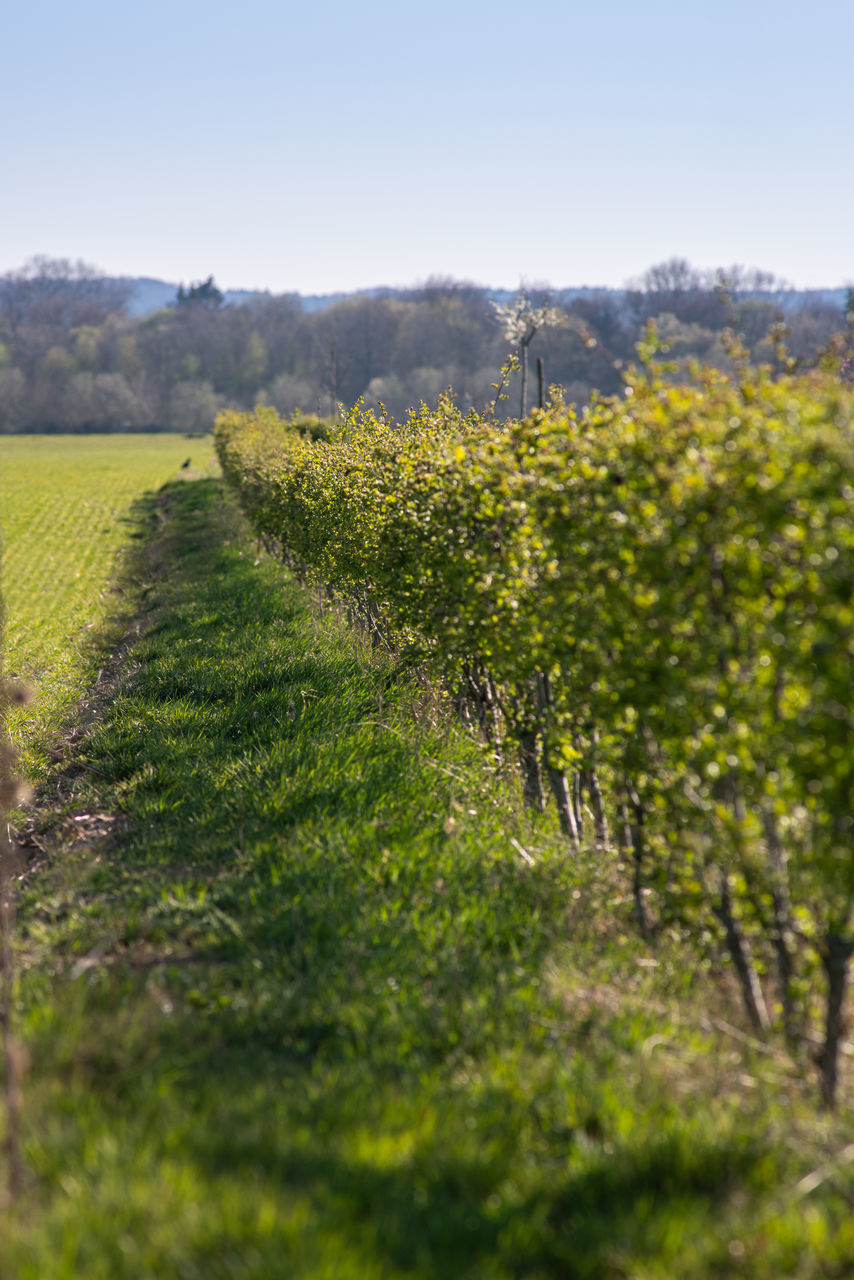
[328,145]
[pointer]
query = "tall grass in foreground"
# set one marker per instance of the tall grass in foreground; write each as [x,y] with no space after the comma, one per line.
[307,996]
[13,793]
[10,1055]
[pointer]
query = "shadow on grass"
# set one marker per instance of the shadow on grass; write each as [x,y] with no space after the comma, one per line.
[312,963]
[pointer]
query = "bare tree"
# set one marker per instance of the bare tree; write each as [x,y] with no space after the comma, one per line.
[59,293]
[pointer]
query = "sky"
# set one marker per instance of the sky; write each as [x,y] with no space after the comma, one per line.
[323,145]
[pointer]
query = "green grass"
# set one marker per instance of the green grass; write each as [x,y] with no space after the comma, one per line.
[65,514]
[297,1006]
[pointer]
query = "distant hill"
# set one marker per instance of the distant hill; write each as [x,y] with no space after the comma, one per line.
[149,295]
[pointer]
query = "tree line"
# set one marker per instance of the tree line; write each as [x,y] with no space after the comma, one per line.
[72,358]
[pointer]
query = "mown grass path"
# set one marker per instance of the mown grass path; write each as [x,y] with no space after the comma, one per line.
[298,1007]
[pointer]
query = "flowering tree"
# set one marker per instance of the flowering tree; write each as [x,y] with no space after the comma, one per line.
[521,320]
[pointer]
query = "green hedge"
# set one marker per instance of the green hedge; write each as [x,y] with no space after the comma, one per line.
[650,600]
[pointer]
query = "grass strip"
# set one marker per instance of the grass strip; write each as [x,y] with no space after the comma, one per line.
[305,996]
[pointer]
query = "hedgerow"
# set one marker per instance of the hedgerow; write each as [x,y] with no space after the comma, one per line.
[650,602]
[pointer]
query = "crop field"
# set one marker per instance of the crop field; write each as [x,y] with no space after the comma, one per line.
[306,990]
[65,514]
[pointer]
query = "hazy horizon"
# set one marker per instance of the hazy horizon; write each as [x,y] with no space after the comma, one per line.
[781,281]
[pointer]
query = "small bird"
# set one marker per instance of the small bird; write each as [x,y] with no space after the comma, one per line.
[184,465]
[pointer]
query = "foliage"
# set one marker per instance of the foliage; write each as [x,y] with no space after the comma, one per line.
[652,595]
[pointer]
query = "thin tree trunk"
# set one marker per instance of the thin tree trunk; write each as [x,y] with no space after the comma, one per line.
[782,931]
[529,762]
[737,944]
[563,799]
[600,821]
[633,843]
[524,396]
[373,622]
[836,956]
[477,696]
[493,710]
[333,382]
[577,802]
[748,981]
[541,383]
[477,693]
[557,779]
[11,1056]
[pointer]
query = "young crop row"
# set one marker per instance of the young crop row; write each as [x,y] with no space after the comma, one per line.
[650,602]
